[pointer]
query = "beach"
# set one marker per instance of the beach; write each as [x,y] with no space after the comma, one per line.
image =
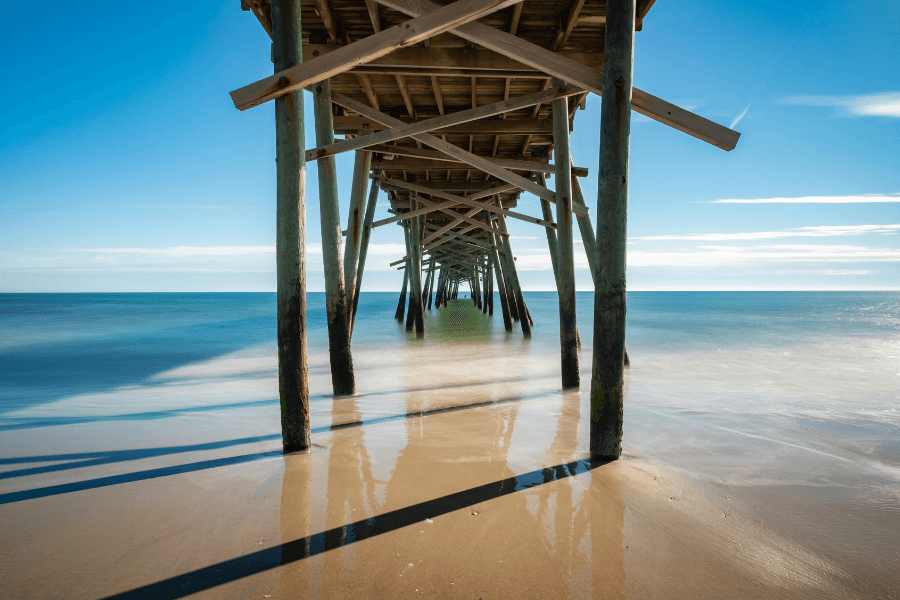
[140,452]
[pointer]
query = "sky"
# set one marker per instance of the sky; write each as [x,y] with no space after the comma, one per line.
[124,166]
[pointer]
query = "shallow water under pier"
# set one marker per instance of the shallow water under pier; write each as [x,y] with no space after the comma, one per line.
[140,452]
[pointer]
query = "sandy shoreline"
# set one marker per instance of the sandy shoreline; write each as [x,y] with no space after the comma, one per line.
[454,476]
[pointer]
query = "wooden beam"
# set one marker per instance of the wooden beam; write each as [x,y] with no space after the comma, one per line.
[568,329]
[345,125]
[577,74]
[467,157]
[342,376]
[465,218]
[514,22]
[324,12]
[532,165]
[290,237]
[402,216]
[404,93]
[365,50]
[467,201]
[455,187]
[442,122]
[438,96]
[449,59]
[607,377]
[366,84]
[571,21]
[372,7]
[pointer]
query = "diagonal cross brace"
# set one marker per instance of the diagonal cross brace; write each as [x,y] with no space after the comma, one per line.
[577,74]
[421,27]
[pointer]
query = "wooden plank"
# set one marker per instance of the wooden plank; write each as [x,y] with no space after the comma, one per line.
[478,59]
[514,22]
[533,165]
[607,377]
[441,122]
[404,93]
[479,187]
[571,21]
[365,50]
[372,8]
[366,84]
[438,96]
[469,158]
[352,124]
[290,237]
[467,201]
[577,74]
[465,218]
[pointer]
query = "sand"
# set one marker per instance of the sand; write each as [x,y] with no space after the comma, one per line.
[451,477]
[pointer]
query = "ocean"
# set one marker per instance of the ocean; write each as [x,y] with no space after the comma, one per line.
[787,401]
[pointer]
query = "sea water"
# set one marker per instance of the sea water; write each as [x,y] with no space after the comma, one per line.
[792,397]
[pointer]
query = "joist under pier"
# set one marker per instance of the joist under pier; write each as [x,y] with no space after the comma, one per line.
[453,110]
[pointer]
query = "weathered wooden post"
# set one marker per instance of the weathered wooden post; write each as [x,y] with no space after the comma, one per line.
[367,234]
[568,331]
[607,378]
[552,242]
[587,230]
[416,283]
[411,267]
[342,378]
[402,303]
[490,281]
[485,300]
[431,284]
[514,278]
[290,234]
[355,226]
[494,254]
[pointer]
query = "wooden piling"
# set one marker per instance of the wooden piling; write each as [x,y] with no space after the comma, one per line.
[401,305]
[524,319]
[355,226]
[552,242]
[568,332]
[607,378]
[490,281]
[416,280]
[364,249]
[342,377]
[290,235]
[586,229]
[494,255]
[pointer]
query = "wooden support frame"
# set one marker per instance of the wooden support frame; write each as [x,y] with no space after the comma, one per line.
[521,309]
[367,49]
[535,166]
[578,74]
[355,224]
[456,118]
[364,249]
[467,157]
[466,201]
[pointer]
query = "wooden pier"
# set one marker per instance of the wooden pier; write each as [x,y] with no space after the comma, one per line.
[454,110]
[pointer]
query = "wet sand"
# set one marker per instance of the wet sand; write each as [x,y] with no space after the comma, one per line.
[461,472]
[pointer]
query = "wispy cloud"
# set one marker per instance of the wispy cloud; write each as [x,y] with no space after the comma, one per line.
[886,104]
[183,251]
[733,256]
[740,116]
[861,198]
[818,231]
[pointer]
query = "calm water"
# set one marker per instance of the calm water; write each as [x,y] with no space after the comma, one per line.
[785,405]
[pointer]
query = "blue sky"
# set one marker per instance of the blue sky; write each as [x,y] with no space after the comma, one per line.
[125,167]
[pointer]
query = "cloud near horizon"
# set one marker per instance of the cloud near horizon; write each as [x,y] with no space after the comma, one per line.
[819,231]
[885,104]
[857,199]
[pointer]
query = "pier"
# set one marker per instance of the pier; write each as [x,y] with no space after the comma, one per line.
[454,111]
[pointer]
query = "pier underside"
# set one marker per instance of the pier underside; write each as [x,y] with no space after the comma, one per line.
[454,110]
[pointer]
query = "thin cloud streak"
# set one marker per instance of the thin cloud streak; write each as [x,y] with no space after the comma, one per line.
[733,256]
[862,198]
[886,104]
[740,116]
[819,231]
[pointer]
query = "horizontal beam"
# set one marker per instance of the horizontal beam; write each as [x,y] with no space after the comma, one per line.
[466,201]
[534,166]
[448,148]
[577,74]
[442,122]
[345,125]
[421,211]
[417,29]
[445,59]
